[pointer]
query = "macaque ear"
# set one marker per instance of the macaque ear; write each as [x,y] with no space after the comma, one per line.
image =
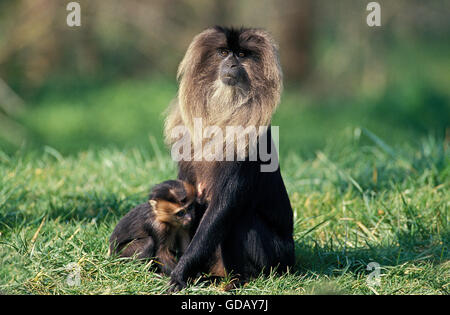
[153,203]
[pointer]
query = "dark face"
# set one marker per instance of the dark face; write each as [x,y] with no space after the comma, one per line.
[234,56]
[238,54]
[231,69]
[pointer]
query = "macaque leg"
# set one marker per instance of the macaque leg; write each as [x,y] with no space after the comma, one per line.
[141,248]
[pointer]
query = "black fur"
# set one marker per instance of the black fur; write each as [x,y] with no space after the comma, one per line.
[232,35]
[249,217]
[137,235]
[135,226]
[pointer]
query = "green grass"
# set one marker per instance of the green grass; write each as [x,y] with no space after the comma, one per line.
[130,113]
[364,154]
[368,179]
[356,201]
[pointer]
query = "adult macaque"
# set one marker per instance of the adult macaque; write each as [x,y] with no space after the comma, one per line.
[232,77]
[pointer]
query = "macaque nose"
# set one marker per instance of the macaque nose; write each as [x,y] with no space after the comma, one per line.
[233,73]
[230,73]
[187,220]
[233,63]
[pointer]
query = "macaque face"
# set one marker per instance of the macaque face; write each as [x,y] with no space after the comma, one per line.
[243,59]
[185,215]
[238,54]
[231,70]
[174,203]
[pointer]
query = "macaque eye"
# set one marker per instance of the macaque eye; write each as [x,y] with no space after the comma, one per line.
[223,52]
[181,213]
[241,54]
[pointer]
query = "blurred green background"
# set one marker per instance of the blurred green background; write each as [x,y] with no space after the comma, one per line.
[108,82]
[364,125]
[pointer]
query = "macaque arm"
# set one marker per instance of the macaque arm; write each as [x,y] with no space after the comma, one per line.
[228,192]
[166,260]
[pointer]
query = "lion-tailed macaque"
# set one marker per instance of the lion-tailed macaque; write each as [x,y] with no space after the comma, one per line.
[232,77]
[160,229]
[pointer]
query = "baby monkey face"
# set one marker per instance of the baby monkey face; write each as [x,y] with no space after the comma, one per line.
[185,215]
[174,203]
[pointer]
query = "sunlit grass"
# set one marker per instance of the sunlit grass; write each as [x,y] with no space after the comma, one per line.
[368,182]
[355,201]
[125,114]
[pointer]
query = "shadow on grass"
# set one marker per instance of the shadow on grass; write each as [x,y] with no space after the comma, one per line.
[424,248]
[68,208]
[416,244]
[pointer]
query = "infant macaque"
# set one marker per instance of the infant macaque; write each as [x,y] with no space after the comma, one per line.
[160,229]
